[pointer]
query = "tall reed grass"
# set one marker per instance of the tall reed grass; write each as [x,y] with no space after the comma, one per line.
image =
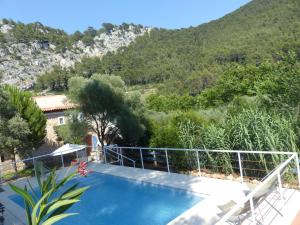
[250,129]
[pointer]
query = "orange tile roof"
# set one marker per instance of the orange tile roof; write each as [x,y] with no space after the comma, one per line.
[50,103]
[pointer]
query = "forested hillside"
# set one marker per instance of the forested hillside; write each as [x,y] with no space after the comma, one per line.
[191,59]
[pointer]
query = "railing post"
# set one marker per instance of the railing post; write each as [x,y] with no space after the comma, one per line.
[104,153]
[298,169]
[1,179]
[118,154]
[280,187]
[33,162]
[167,161]
[240,166]
[154,158]
[62,160]
[198,161]
[252,210]
[121,152]
[142,161]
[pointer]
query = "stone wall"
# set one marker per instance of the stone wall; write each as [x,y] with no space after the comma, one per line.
[51,142]
[53,121]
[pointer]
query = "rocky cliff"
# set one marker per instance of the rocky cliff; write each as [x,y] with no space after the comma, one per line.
[27,51]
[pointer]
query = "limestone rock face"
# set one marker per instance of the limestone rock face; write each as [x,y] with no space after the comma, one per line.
[21,63]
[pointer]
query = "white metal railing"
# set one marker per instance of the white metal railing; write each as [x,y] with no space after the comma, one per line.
[118,152]
[197,151]
[250,196]
[8,166]
[276,172]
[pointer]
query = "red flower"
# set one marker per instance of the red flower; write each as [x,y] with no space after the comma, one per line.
[82,169]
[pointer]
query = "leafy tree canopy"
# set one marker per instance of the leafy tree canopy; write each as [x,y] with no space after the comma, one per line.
[276,84]
[102,101]
[75,130]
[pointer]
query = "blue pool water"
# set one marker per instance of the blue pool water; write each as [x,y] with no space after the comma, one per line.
[113,200]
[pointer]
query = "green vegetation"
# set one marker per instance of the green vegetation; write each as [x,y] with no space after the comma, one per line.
[105,108]
[55,80]
[13,129]
[74,131]
[189,60]
[26,33]
[233,83]
[166,103]
[252,108]
[44,35]
[250,129]
[29,111]
[46,208]
[13,136]
[28,172]
[276,83]
[22,123]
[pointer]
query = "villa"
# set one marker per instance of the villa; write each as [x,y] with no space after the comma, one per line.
[54,108]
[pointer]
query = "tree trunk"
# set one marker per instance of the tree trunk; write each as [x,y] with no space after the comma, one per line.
[99,132]
[15,163]
[101,140]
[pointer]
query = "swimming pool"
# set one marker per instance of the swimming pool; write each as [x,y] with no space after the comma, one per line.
[114,200]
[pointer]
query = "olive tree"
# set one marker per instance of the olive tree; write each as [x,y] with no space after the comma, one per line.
[102,102]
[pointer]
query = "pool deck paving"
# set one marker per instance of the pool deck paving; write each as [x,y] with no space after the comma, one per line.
[214,191]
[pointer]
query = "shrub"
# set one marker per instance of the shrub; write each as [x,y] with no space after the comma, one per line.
[74,131]
[48,209]
[167,103]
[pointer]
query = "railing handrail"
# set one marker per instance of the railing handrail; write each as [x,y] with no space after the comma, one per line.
[276,172]
[108,148]
[208,150]
[249,197]
[256,189]
[39,156]
[162,149]
[116,157]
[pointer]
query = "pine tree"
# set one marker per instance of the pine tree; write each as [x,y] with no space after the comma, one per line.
[30,112]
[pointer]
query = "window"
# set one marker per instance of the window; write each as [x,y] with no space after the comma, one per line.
[61,120]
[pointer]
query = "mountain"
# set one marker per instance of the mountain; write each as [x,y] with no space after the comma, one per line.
[188,60]
[27,50]
[182,60]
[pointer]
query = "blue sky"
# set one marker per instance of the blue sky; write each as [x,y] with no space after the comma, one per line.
[72,15]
